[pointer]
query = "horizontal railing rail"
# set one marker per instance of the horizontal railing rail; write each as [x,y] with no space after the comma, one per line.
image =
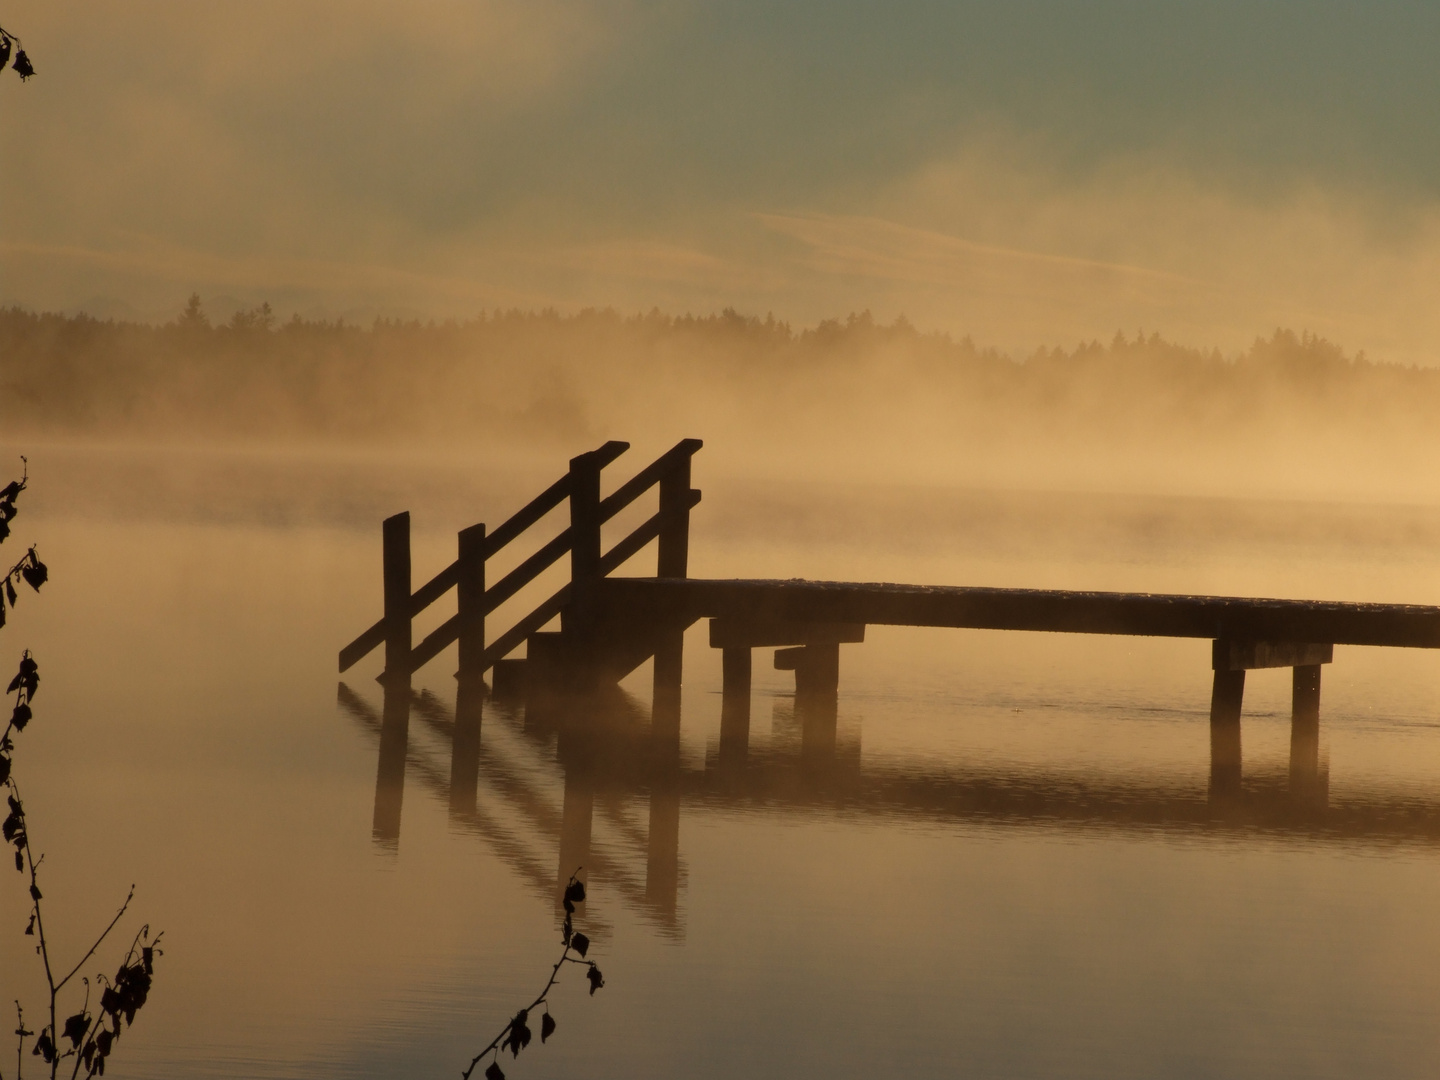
[647,478]
[663,470]
[513,527]
[502,590]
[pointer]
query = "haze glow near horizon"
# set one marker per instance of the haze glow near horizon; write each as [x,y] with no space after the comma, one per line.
[1026,173]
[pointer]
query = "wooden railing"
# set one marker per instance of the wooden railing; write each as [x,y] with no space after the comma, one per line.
[670,525]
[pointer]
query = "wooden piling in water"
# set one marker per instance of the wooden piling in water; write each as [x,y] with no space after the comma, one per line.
[1226,697]
[816,667]
[1305,780]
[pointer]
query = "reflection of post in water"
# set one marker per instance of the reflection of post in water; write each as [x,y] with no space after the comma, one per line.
[1307,783]
[662,856]
[470,691]
[817,712]
[465,747]
[395,722]
[735,707]
[577,812]
[390,774]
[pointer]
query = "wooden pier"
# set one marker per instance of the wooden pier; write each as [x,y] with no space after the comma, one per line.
[610,625]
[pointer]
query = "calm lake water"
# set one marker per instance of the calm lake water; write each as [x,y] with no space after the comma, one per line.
[1007,866]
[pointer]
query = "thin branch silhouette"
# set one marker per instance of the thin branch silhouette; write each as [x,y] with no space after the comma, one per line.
[91,1036]
[516,1034]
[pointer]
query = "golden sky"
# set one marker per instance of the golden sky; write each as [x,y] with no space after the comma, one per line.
[1028,173]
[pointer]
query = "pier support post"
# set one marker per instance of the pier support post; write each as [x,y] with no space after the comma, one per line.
[395,542]
[736,666]
[816,667]
[1225,701]
[735,704]
[1305,780]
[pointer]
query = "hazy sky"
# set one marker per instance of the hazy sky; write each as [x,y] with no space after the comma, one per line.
[1025,172]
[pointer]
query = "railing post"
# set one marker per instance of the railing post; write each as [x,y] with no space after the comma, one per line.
[396,554]
[579,620]
[470,604]
[674,539]
[672,561]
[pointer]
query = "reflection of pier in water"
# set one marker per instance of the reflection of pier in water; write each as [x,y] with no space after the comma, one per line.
[609,752]
[515,766]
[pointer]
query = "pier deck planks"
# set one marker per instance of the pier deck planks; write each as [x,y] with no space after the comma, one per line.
[1139,614]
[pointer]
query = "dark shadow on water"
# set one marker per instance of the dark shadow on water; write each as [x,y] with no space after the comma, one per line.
[565,775]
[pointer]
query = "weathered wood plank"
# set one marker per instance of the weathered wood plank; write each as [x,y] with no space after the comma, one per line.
[1139,614]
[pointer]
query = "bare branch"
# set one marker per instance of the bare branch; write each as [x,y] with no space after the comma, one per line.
[104,934]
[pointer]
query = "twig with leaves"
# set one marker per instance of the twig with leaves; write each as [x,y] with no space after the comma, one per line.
[22,64]
[516,1035]
[91,1035]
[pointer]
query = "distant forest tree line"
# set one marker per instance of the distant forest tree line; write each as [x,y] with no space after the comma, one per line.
[555,378]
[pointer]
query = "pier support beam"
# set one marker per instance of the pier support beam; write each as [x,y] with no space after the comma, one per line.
[736,663]
[1231,659]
